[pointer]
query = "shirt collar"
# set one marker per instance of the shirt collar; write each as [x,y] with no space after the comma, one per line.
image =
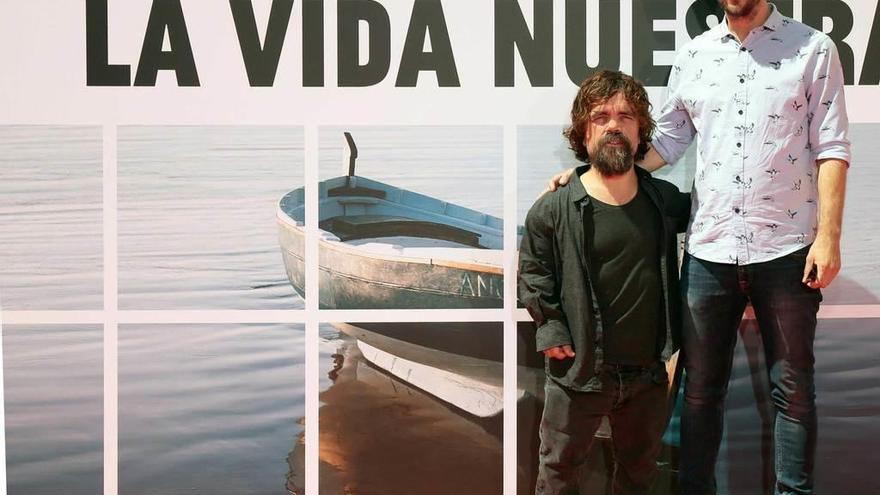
[773,22]
[579,193]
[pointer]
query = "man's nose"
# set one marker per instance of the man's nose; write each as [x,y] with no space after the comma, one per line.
[613,125]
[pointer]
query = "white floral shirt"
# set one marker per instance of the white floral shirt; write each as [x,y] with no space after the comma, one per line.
[763,112]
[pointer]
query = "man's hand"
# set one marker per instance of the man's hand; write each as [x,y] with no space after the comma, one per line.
[558,180]
[559,352]
[824,257]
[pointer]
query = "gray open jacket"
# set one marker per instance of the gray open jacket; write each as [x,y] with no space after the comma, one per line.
[555,278]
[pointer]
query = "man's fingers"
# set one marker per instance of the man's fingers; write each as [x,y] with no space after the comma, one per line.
[560,179]
[824,276]
[560,352]
[564,177]
[552,352]
[809,266]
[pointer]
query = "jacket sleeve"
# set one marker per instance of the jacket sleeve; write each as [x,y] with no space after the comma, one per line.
[539,282]
[681,210]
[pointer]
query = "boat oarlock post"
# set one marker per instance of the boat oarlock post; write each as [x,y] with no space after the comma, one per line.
[350,153]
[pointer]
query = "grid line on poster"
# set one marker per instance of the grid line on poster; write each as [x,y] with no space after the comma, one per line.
[2,412]
[160,316]
[510,341]
[111,304]
[312,404]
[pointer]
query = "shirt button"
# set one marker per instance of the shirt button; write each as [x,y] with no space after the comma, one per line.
[736,209]
[742,80]
[742,48]
[740,112]
[739,145]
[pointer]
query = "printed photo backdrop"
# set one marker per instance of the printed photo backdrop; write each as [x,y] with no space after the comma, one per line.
[118,225]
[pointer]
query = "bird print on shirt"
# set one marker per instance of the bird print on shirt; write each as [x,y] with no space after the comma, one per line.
[745,129]
[747,76]
[742,184]
[746,239]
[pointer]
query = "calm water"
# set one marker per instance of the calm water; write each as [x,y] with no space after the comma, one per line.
[209,408]
[53,385]
[197,216]
[51,253]
[202,408]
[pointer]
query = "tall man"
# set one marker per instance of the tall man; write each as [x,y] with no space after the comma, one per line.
[598,272]
[763,95]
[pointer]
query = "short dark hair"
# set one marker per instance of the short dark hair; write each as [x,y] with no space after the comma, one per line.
[597,89]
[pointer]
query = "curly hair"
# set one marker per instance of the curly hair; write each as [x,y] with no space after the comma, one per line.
[597,89]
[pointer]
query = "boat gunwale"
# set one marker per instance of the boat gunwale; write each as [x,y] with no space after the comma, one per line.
[341,246]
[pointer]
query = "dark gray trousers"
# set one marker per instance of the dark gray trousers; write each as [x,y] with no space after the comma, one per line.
[634,399]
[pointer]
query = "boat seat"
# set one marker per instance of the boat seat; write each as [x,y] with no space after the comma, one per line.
[353,227]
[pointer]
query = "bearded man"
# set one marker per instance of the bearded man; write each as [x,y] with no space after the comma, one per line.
[598,274]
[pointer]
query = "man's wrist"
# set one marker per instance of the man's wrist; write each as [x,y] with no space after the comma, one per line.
[828,235]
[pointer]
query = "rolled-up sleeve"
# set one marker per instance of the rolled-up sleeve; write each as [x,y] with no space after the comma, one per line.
[539,282]
[829,124]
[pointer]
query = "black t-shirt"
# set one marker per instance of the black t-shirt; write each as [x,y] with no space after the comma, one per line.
[625,260]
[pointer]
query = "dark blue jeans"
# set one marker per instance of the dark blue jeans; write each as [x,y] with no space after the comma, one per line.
[634,401]
[714,297]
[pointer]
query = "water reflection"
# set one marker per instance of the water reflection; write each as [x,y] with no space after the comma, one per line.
[379,435]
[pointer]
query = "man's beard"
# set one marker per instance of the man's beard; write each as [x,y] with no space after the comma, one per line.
[743,10]
[612,161]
